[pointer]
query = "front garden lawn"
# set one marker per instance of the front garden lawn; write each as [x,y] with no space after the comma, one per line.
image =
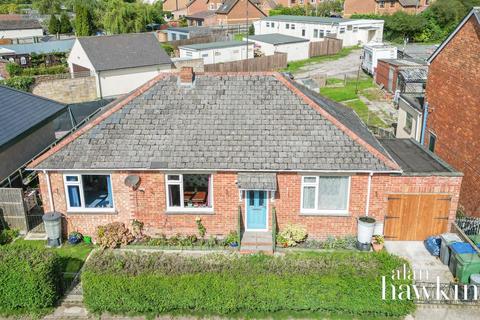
[307,284]
[72,257]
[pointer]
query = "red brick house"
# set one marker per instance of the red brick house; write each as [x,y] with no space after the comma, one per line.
[223,12]
[215,145]
[351,7]
[453,124]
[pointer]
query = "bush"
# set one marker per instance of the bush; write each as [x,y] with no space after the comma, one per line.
[44,70]
[30,280]
[341,243]
[169,49]
[8,235]
[291,235]
[113,235]
[155,283]
[19,83]
[14,69]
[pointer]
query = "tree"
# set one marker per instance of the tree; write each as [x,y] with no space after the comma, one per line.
[53,25]
[47,6]
[65,25]
[83,21]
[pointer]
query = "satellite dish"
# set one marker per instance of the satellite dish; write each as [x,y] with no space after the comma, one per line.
[132,181]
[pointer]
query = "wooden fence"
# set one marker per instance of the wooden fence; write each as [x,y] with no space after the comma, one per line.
[267,63]
[326,47]
[12,209]
[217,36]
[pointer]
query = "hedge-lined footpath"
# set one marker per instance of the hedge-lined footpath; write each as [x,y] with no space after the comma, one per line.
[156,283]
[30,280]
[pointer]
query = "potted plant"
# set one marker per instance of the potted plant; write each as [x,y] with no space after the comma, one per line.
[365,228]
[74,237]
[377,243]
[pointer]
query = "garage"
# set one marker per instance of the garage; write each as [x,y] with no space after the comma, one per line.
[416,216]
[423,199]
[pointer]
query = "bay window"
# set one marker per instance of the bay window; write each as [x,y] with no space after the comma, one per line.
[88,192]
[189,192]
[325,194]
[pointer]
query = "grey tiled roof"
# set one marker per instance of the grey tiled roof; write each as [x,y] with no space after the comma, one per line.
[124,51]
[19,24]
[257,181]
[21,112]
[223,122]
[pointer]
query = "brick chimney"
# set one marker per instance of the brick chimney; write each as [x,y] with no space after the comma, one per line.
[186,75]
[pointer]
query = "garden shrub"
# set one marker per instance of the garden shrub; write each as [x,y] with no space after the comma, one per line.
[19,83]
[291,235]
[156,283]
[7,235]
[30,280]
[113,235]
[14,69]
[36,71]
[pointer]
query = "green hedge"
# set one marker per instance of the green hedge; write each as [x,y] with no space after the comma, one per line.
[30,280]
[156,283]
[19,83]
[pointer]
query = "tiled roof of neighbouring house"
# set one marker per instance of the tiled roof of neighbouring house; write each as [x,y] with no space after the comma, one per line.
[409,3]
[228,5]
[19,24]
[223,122]
[21,112]
[307,19]
[124,51]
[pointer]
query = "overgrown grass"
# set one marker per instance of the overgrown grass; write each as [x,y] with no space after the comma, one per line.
[294,66]
[348,93]
[307,284]
[239,36]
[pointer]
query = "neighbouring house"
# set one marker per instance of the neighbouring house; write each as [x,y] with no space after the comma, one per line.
[22,53]
[402,75]
[120,63]
[229,147]
[453,124]
[217,52]
[20,28]
[410,116]
[222,12]
[177,7]
[380,7]
[352,31]
[372,52]
[268,44]
[26,128]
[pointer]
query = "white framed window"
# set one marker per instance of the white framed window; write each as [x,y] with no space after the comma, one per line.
[188,53]
[322,33]
[89,192]
[287,26]
[355,29]
[23,60]
[315,33]
[217,53]
[273,24]
[342,30]
[204,55]
[325,195]
[189,193]
[292,26]
[268,24]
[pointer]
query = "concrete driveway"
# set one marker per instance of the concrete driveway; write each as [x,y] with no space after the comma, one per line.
[420,259]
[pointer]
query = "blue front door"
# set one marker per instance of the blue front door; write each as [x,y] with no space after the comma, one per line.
[256,210]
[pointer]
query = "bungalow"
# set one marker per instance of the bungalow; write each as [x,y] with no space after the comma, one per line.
[120,63]
[26,128]
[18,28]
[216,52]
[352,31]
[231,147]
[22,53]
[296,48]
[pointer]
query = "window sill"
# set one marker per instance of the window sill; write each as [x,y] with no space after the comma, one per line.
[324,214]
[179,211]
[91,211]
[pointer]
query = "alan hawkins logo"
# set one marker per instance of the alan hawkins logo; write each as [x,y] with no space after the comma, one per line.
[424,288]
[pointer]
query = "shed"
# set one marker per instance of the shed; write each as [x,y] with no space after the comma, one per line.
[217,52]
[296,48]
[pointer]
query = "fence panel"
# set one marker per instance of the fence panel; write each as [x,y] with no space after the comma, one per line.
[217,36]
[328,46]
[267,63]
[12,208]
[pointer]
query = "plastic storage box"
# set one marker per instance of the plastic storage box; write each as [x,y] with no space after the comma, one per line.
[456,249]
[466,265]
[447,239]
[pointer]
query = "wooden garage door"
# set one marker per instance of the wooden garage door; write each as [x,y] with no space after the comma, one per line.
[416,217]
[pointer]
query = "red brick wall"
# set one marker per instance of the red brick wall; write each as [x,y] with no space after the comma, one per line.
[372,6]
[147,204]
[452,94]
[238,13]
[381,75]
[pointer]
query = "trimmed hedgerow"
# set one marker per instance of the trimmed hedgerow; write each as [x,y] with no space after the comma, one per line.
[30,280]
[156,283]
